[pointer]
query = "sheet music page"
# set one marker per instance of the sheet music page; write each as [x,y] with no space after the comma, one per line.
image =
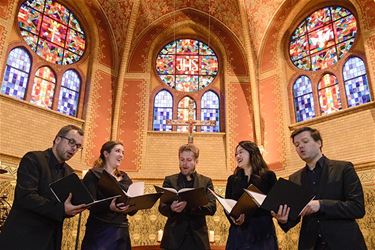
[136,189]
[259,198]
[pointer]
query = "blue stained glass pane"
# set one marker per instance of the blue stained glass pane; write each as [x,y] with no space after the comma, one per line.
[71,80]
[18,58]
[356,83]
[163,99]
[163,111]
[210,114]
[16,73]
[354,67]
[161,115]
[304,106]
[68,102]
[357,91]
[302,86]
[210,100]
[210,111]
[14,83]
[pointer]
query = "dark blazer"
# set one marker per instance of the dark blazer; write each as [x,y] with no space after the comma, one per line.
[36,218]
[188,220]
[341,202]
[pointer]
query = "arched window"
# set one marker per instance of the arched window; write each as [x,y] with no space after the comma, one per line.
[43,87]
[189,66]
[163,111]
[16,73]
[210,110]
[356,82]
[184,112]
[69,93]
[329,94]
[303,99]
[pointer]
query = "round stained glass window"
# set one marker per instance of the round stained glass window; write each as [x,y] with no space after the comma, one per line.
[322,38]
[187,65]
[52,31]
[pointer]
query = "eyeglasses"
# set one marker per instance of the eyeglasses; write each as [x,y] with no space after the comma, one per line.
[72,143]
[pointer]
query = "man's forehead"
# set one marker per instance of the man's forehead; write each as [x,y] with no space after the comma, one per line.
[303,135]
[73,134]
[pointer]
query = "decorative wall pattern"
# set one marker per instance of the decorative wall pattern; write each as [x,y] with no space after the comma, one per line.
[99,116]
[260,14]
[132,122]
[6,8]
[225,11]
[118,14]
[103,43]
[239,117]
[270,102]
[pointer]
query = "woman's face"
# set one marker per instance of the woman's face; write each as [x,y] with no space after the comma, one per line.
[114,157]
[242,157]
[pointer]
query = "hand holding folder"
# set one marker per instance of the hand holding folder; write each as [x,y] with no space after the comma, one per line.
[134,197]
[284,192]
[244,205]
[195,197]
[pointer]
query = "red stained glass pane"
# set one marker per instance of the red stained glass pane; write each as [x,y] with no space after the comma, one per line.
[318,18]
[54,31]
[324,59]
[187,65]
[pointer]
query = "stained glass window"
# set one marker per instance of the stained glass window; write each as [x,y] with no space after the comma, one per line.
[163,111]
[52,31]
[69,93]
[303,99]
[184,113]
[323,38]
[187,65]
[16,73]
[43,88]
[356,82]
[329,94]
[210,110]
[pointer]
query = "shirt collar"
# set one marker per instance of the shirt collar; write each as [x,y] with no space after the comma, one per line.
[53,162]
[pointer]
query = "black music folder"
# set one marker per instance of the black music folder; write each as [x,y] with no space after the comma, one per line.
[195,197]
[284,192]
[72,184]
[134,197]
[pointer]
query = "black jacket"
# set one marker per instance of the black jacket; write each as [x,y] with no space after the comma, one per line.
[36,218]
[341,202]
[193,221]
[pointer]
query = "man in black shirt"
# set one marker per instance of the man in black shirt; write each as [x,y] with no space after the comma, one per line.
[36,218]
[186,227]
[328,220]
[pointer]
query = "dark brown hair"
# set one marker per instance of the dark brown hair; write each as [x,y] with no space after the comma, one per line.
[315,134]
[256,161]
[106,147]
[66,129]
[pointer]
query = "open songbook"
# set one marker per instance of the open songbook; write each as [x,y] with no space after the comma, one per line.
[244,205]
[283,192]
[134,197]
[72,184]
[194,197]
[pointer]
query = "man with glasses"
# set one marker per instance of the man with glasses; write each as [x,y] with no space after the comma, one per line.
[36,218]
